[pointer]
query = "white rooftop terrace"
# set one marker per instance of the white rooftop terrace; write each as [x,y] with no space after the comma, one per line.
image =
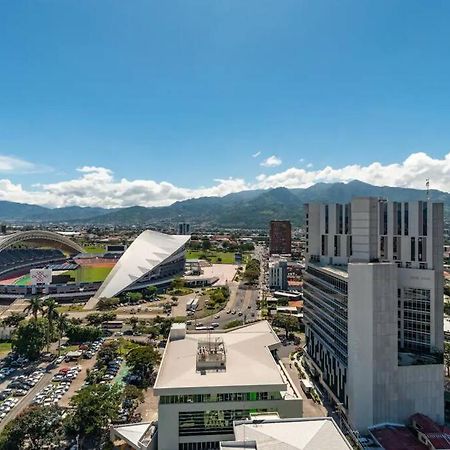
[317,433]
[249,363]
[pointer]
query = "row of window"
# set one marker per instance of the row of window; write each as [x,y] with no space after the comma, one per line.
[223,397]
[211,445]
[204,423]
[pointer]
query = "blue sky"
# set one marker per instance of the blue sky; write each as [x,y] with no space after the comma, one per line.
[185,92]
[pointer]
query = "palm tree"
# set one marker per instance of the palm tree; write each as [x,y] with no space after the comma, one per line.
[62,323]
[35,307]
[51,313]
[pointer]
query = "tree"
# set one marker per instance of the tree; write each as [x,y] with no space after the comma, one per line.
[62,324]
[177,284]
[93,409]
[133,297]
[151,291]
[30,337]
[132,396]
[35,307]
[35,428]
[286,321]
[79,333]
[98,318]
[163,324]
[142,361]
[133,321]
[107,303]
[206,244]
[13,319]
[108,352]
[52,314]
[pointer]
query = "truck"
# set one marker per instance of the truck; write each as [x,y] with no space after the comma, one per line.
[306,386]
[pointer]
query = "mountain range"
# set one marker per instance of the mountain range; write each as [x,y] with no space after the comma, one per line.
[246,209]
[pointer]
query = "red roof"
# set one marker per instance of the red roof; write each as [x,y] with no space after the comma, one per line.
[392,437]
[438,435]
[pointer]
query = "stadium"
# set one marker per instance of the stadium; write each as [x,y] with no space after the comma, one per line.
[47,263]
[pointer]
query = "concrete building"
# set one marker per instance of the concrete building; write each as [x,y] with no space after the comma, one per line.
[184,228]
[280,237]
[270,432]
[373,289]
[206,381]
[278,274]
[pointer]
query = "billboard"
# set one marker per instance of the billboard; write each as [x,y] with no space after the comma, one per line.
[40,276]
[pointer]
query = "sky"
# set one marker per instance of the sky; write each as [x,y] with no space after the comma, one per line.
[113,103]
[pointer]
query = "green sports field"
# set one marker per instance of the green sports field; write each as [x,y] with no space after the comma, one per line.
[88,274]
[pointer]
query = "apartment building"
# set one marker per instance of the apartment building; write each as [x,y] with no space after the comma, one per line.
[206,381]
[280,237]
[278,274]
[373,311]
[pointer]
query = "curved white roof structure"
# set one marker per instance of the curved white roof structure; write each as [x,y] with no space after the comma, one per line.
[54,240]
[149,250]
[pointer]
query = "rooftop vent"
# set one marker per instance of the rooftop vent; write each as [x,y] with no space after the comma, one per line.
[211,355]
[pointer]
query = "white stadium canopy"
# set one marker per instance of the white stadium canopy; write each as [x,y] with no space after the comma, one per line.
[147,252]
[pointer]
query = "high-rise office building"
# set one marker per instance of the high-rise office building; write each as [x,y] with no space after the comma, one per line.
[373,290]
[184,228]
[280,237]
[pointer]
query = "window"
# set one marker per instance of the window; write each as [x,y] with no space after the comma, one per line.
[424,218]
[339,219]
[413,249]
[337,246]
[326,219]
[422,245]
[324,245]
[406,219]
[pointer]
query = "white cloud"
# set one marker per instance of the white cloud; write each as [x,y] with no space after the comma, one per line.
[309,165]
[97,186]
[11,164]
[271,161]
[412,172]
[255,155]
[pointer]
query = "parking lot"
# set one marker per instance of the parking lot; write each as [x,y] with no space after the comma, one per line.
[46,383]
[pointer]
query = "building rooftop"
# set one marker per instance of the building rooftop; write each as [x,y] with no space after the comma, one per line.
[396,437]
[315,433]
[148,250]
[249,362]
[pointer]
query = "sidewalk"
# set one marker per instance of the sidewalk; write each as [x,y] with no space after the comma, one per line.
[310,408]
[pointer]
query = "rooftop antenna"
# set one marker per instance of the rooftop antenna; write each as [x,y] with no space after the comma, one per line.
[427,184]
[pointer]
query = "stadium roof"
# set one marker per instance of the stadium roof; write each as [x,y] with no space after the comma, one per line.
[148,251]
[40,237]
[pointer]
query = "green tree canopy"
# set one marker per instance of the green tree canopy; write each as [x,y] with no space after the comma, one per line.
[287,322]
[36,428]
[93,409]
[142,361]
[13,319]
[30,337]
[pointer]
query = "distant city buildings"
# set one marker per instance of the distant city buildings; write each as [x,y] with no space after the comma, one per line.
[278,274]
[280,237]
[207,381]
[184,228]
[373,311]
